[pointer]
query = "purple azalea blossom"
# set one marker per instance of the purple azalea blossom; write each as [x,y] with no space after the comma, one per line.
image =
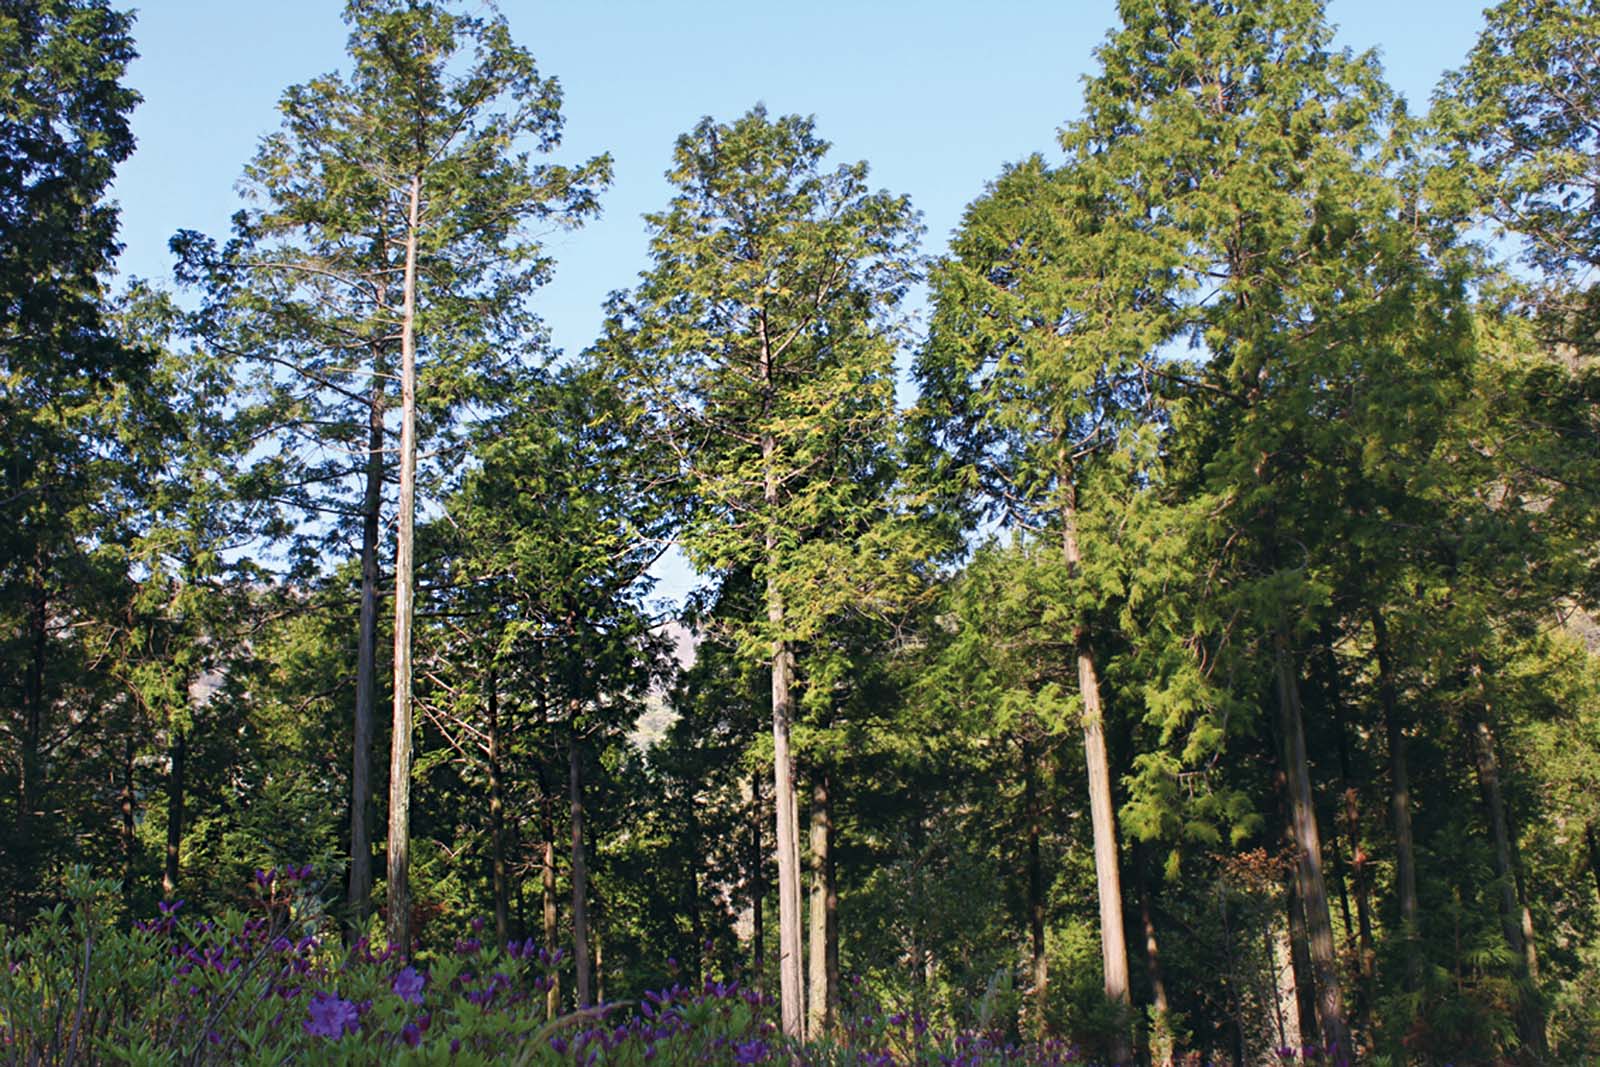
[331,1017]
[407,985]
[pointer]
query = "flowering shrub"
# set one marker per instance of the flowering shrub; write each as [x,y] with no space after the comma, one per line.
[274,985]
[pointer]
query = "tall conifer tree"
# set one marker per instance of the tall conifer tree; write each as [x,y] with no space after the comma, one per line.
[392,245]
[760,345]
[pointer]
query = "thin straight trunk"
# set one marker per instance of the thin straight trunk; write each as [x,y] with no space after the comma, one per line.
[691,893]
[758,887]
[1593,842]
[1308,844]
[169,875]
[359,894]
[1161,1043]
[1305,983]
[1363,885]
[1341,889]
[129,839]
[831,918]
[399,866]
[1360,934]
[824,994]
[1039,960]
[1108,878]
[497,820]
[1270,947]
[1530,1018]
[29,780]
[548,880]
[1405,866]
[547,831]
[791,948]
[580,873]
[1530,944]
[595,928]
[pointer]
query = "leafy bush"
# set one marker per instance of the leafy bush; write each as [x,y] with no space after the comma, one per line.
[273,984]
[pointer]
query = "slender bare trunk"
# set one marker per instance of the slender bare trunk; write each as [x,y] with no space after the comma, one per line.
[177,751]
[548,883]
[497,818]
[1305,983]
[130,841]
[399,867]
[1308,845]
[758,888]
[791,971]
[597,931]
[824,991]
[1108,877]
[580,872]
[691,894]
[1593,841]
[359,894]
[1038,958]
[1530,1018]
[1405,866]
[1358,934]
[1161,1039]
[30,777]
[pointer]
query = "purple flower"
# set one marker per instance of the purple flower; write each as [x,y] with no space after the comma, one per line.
[411,1034]
[265,878]
[407,985]
[331,1016]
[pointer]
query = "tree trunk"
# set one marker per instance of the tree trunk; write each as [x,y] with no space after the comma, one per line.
[1360,933]
[399,866]
[497,820]
[1161,1043]
[1308,844]
[169,875]
[596,930]
[1405,866]
[758,888]
[791,971]
[580,871]
[691,893]
[130,840]
[1108,878]
[548,881]
[359,894]
[1038,958]
[29,779]
[1530,1018]
[1593,842]
[1305,983]
[824,902]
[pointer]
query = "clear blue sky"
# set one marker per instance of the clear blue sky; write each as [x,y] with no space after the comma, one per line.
[935,94]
